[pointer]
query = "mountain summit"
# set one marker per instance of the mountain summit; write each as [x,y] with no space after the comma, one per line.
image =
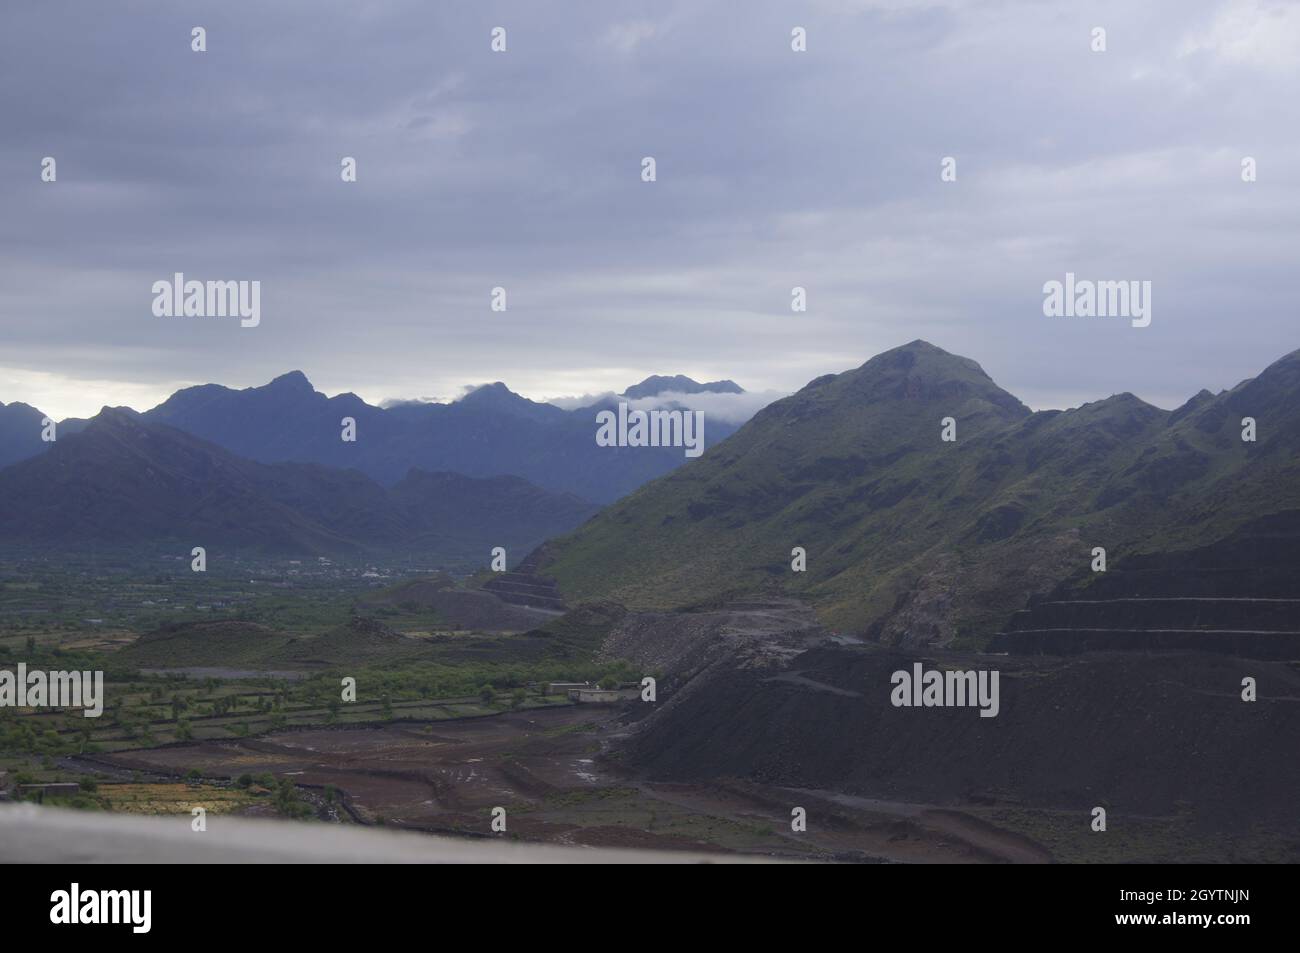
[658,384]
[912,538]
[498,398]
[292,382]
[20,432]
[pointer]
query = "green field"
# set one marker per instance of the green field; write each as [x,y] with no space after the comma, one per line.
[189,657]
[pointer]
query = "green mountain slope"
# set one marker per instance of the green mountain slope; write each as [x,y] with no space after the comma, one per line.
[911,539]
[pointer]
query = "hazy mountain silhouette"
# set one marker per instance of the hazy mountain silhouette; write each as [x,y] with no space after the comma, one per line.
[658,384]
[20,432]
[492,431]
[125,481]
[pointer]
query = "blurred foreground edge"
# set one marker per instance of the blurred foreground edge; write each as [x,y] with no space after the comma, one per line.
[37,835]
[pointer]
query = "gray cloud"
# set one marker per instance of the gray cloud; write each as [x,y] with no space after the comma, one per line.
[729,408]
[522,170]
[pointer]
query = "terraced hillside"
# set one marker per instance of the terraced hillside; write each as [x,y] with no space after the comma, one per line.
[1239,596]
[525,586]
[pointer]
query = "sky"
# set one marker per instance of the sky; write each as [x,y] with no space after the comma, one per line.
[522,170]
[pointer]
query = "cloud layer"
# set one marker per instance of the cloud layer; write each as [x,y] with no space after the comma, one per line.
[522,170]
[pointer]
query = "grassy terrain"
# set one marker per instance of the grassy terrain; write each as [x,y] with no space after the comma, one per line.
[189,657]
[154,798]
[908,535]
[1149,840]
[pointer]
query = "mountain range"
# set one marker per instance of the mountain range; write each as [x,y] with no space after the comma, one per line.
[1124,685]
[907,538]
[128,482]
[911,539]
[490,432]
[935,519]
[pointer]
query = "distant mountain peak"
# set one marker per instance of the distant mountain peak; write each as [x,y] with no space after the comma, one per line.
[1124,410]
[657,384]
[919,370]
[905,355]
[116,416]
[19,407]
[497,398]
[494,393]
[20,432]
[293,380]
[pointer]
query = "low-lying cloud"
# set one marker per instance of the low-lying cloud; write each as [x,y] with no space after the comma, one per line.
[728,408]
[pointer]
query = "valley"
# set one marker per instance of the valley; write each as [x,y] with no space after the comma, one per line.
[760,710]
[863,643]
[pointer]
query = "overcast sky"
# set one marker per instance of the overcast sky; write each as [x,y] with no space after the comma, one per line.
[522,169]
